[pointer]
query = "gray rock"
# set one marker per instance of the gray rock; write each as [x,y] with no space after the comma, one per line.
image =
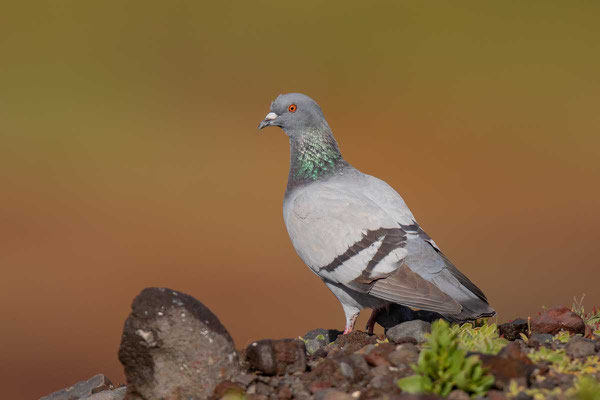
[380,370]
[318,338]
[458,395]
[81,389]
[244,379]
[405,354]
[359,363]
[538,339]
[117,394]
[415,329]
[347,370]
[277,357]
[579,347]
[174,347]
[332,394]
[382,382]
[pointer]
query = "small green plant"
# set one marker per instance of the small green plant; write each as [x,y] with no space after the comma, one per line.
[559,361]
[562,336]
[587,388]
[481,339]
[577,307]
[592,319]
[443,366]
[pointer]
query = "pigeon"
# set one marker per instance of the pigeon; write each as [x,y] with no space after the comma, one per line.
[356,233]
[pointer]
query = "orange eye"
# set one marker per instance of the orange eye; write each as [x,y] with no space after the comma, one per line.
[292,108]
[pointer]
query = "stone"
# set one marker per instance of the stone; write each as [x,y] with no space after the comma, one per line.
[579,347]
[116,394]
[263,388]
[332,394]
[378,355]
[95,384]
[277,357]
[361,368]
[347,370]
[415,329]
[380,370]
[510,364]
[174,347]
[458,395]
[284,393]
[318,338]
[512,330]
[384,383]
[354,341]
[496,395]
[328,373]
[255,396]
[539,339]
[406,339]
[405,354]
[244,379]
[523,396]
[514,351]
[319,385]
[556,319]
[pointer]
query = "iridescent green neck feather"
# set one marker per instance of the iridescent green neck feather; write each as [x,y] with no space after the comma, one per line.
[313,155]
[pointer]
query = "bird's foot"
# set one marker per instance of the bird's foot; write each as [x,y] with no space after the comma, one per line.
[371,322]
[350,324]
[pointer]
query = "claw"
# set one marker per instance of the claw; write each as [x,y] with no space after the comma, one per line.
[371,322]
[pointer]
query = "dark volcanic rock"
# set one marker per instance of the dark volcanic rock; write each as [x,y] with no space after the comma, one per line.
[174,347]
[415,329]
[512,330]
[277,357]
[510,364]
[354,341]
[556,319]
[579,347]
[95,384]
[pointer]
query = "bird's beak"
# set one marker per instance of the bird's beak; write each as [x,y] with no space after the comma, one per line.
[268,121]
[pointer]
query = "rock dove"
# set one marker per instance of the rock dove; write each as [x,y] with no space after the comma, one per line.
[356,233]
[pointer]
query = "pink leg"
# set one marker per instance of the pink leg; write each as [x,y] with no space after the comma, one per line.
[350,324]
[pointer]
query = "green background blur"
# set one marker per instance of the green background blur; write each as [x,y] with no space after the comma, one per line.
[129,157]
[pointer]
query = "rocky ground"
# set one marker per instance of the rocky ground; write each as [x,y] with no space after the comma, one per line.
[173,347]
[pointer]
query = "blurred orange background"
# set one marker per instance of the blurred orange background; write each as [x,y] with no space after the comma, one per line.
[130,158]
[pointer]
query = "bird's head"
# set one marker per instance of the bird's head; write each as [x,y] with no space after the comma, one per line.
[295,113]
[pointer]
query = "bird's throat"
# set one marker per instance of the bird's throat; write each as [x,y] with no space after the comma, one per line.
[313,155]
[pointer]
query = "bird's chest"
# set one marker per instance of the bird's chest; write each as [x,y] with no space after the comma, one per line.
[308,238]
